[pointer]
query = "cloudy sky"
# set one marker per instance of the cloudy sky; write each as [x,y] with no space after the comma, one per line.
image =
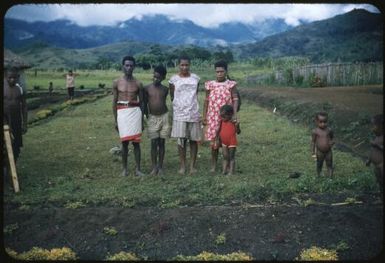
[207,15]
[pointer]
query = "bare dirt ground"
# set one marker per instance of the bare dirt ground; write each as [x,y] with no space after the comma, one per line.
[265,231]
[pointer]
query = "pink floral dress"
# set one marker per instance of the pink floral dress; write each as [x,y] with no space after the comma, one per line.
[220,94]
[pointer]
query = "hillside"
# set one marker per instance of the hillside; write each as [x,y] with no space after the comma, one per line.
[354,36]
[46,56]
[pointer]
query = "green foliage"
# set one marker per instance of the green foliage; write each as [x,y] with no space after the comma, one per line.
[316,254]
[123,256]
[220,239]
[37,253]
[209,256]
[74,205]
[110,231]
[9,229]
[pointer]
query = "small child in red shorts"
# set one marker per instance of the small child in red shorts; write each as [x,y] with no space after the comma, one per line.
[227,136]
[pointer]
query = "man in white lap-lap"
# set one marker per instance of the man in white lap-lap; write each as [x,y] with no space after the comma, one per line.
[128,114]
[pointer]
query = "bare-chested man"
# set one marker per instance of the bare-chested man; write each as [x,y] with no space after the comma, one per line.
[127,107]
[14,111]
[156,111]
[322,143]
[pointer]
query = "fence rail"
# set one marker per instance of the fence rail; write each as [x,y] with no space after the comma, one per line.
[328,74]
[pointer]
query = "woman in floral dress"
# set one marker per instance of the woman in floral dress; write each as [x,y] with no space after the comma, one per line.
[218,93]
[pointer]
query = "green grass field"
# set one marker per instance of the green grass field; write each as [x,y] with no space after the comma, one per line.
[91,78]
[66,161]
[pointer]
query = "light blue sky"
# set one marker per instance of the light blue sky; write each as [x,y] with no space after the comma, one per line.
[207,15]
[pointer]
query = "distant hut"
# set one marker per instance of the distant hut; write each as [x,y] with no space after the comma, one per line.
[11,60]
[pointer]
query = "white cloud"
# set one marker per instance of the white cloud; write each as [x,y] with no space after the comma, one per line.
[207,15]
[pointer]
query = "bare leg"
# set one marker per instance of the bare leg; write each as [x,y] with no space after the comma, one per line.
[232,160]
[137,158]
[320,162]
[329,162]
[193,156]
[182,157]
[214,159]
[162,150]
[225,163]
[154,154]
[124,157]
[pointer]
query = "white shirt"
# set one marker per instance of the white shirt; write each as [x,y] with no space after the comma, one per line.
[185,103]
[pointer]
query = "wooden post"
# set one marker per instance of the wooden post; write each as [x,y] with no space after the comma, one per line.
[7,138]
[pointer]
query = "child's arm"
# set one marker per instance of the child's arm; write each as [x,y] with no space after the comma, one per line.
[238,127]
[331,135]
[312,145]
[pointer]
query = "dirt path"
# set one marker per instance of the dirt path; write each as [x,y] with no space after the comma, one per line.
[266,232]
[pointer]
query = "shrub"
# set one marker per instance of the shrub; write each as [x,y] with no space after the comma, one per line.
[124,256]
[37,253]
[316,253]
[110,231]
[208,256]
[43,114]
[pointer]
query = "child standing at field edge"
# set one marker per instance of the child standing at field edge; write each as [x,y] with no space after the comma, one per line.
[322,143]
[156,111]
[226,135]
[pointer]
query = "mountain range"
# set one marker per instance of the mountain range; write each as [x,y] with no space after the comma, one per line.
[353,36]
[151,28]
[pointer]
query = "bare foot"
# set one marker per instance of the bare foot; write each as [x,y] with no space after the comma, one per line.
[139,173]
[160,171]
[154,172]
[193,171]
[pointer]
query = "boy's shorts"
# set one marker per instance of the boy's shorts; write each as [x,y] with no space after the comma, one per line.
[187,130]
[158,126]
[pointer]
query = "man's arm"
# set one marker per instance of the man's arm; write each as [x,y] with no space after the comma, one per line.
[24,113]
[141,101]
[114,101]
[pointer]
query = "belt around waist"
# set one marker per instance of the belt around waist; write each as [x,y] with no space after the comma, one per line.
[128,103]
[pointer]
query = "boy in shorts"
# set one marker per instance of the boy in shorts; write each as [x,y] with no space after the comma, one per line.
[156,111]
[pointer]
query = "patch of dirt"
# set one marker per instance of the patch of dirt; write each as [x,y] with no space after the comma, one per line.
[349,108]
[266,232]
